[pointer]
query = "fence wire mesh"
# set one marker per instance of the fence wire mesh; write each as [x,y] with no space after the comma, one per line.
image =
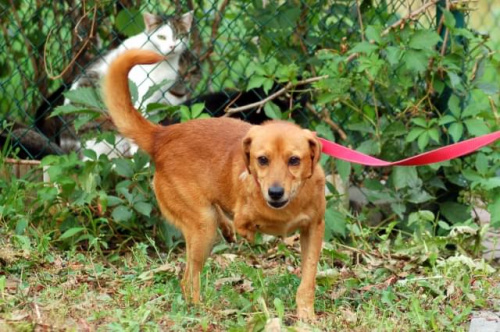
[48,46]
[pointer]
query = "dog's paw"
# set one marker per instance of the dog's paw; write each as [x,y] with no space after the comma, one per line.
[246,233]
[306,314]
[229,235]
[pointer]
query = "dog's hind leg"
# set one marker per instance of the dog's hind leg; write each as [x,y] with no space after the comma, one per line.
[197,219]
[199,233]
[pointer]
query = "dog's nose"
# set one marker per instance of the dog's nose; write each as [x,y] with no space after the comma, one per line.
[276,192]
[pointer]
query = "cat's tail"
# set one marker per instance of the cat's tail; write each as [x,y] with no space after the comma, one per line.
[126,117]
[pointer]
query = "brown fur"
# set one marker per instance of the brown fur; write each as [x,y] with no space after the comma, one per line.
[209,169]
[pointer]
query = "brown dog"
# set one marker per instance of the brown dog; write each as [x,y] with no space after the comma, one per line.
[266,177]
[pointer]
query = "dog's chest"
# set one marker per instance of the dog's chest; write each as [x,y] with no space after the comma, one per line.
[280,226]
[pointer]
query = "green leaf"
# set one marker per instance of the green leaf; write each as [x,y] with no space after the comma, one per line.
[473,109]
[344,169]
[143,208]
[398,208]
[121,214]
[85,119]
[91,154]
[471,175]
[151,91]
[124,167]
[414,133]
[405,177]
[288,18]
[423,216]
[420,122]
[454,106]
[444,225]
[456,130]
[86,96]
[449,19]
[455,212]
[423,140]
[71,232]
[476,127]
[185,113]
[272,110]
[256,82]
[335,223]
[415,61]
[364,47]
[482,164]
[134,91]
[70,109]
[424,39]
[129,22]
[494,209]
[455,80]
[492,183]
[434,134]
[323,130]
[268,84]
[393,55]
[280,308]
[419,196]
[373,33]
[447,119]
[396,129]
[196,110]
[21,225]
[363,127]
[113,200]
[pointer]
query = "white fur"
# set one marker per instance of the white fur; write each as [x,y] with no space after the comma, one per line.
[161,41]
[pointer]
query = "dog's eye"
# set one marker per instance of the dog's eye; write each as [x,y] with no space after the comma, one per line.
[162,37]
[263,161]
[294,161]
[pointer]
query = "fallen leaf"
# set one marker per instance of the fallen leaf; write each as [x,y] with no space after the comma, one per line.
[230,280]
[328,274]
[273,325]
[291,240]
[348,315]
[228,312]
[245,287]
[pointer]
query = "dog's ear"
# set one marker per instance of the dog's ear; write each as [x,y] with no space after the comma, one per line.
[247,142]
[315,148]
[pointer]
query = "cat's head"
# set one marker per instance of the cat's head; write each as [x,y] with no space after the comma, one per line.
[169,35]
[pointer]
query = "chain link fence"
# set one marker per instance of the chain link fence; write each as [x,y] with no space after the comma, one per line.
[232,59]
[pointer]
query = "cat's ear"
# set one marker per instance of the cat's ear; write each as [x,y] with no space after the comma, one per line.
[150,21]
[187,20]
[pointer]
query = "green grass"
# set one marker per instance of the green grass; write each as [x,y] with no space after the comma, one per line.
[377,288]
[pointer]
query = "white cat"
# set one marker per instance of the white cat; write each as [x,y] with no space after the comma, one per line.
[165,36]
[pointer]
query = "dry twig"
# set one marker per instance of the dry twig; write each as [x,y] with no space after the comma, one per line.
[84,46]
[411,16]
[278,93]
[324,117]
[215,29]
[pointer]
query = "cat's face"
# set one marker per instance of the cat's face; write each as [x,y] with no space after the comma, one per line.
[169,36]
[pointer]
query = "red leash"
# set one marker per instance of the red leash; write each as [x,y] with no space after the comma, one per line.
[435,156]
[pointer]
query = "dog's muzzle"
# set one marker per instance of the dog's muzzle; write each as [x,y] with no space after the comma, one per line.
[276,195]
[277,205]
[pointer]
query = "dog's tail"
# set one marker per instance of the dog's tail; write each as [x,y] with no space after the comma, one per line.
[127,119]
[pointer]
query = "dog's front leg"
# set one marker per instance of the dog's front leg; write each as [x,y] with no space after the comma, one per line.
[244,227]
[311,239]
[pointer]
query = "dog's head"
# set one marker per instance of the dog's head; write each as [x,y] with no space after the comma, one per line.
[280,156]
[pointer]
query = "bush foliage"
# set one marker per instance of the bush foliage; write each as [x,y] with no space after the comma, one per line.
[389,90]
